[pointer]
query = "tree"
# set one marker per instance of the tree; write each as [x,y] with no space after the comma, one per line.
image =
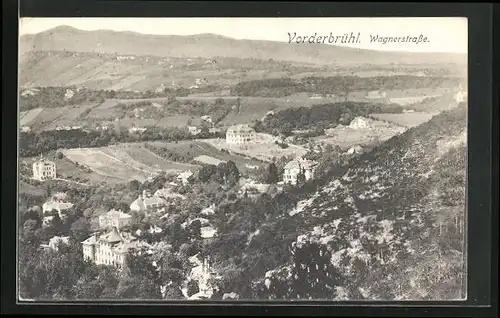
[194,230]
[228,172]
[174,293]
[80,229]
[192,287]
[206,172]
[301,178]
[314,277]
[134,185]
[271,173]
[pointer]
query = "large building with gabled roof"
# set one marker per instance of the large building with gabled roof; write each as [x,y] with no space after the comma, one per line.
[111,248]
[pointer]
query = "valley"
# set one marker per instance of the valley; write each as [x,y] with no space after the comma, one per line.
[240,169]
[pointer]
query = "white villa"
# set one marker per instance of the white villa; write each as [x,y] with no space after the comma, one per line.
[168,194]
[297,166]
[55,241]
[44,169]
[56,204]
[147,202]
[47,220]
[137,130]
[184,177]
[252,188]
[115,218]
[208,233]
[193,130]
[208,210]
[110,248]
[240,134]
[207,118]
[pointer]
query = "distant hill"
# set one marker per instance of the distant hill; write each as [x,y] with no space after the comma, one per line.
[211,45]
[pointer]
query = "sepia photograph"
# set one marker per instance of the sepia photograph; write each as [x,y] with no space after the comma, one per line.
[242,159]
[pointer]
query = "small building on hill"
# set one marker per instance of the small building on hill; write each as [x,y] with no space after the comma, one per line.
[146,202]
[355,150]
[359,123]
[55,241]
[297,166]
[183,177]
[193,130]
[44,169]
[240,134]
[115,218]
[55,204]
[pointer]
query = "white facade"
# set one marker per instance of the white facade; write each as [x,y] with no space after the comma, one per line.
[461,96]
[56,205]
[116,219]
[56,240]
[44,170]
[184,177]
[147,202]
[194,130]
[240,134]
[109,249]
[297,166]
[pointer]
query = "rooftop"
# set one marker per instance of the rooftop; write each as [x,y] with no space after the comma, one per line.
[111,237]
[300,163]
[240,128]
[116,214]
[57,239]
[208,232]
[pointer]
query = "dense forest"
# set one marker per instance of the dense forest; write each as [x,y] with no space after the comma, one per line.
[217,110]
[52,97]
[320,117]
[338,85]
[34,143]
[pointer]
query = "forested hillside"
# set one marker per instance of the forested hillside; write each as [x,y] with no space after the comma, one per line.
[389,221]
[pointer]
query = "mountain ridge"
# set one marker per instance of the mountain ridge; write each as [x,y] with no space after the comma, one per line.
[210,45]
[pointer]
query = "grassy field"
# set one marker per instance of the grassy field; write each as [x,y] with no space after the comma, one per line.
[125,161]
[250,110]
[208,160]
[27,117]
[346,138]
[406,119]
[264,149]
[50,118]
[67,169]
[27,188]
[199,148]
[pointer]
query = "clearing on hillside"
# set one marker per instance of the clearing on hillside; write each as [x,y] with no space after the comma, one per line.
[125,162]
[406,119]
[199,149]
[264,148]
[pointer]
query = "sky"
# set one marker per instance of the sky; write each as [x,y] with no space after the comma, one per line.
[444,34]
